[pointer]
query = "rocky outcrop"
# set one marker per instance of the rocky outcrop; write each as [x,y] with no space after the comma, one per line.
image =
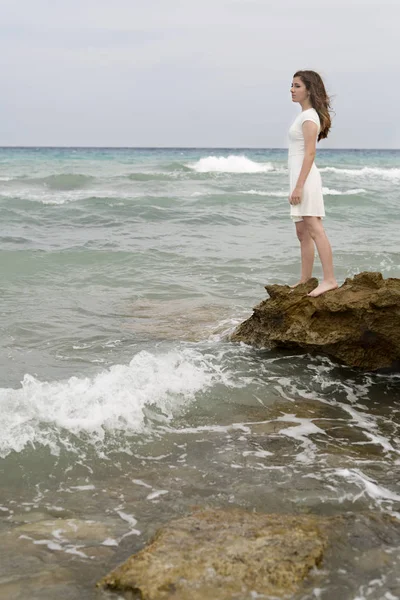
[237,555]
[357,324]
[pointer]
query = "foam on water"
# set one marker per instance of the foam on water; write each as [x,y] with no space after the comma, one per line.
[326,191]
[230,164]
[273,193]
[301,432]
[332,192]
[370,427]
[115,399]
[367,485]
[59,197]
[373,172]
[373,590]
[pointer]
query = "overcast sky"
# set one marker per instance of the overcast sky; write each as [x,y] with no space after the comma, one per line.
[213,73]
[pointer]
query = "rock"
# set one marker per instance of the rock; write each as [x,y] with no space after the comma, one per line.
[217,554]
[357,324]
[234,554]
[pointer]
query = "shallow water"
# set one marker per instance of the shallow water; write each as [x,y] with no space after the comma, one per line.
[123,403]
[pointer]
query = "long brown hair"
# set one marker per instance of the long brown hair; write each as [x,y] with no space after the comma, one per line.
[319,99]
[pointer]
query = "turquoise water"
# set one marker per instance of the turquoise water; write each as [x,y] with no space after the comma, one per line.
[124,404]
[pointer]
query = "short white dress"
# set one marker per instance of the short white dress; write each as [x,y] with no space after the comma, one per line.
[312,202]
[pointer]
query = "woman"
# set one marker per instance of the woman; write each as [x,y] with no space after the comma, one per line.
[306,199]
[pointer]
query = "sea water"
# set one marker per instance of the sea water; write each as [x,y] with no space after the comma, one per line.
[123,403]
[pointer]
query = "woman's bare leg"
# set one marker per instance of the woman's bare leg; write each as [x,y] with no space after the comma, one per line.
[307,252]
[317,233]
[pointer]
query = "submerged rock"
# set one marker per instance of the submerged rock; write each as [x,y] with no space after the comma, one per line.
[237,555]
[218,554]
[357,324]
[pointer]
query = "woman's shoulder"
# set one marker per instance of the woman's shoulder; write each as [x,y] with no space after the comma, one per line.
[310,113]
[304,115]
[307,112]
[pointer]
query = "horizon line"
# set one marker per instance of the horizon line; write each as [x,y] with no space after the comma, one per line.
[24,147]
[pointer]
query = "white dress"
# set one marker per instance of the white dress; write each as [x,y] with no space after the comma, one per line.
[312,202]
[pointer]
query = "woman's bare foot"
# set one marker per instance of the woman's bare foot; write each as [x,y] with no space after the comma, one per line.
[300,282]
[325,286]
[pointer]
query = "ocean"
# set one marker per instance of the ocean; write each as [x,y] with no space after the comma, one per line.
[123,403]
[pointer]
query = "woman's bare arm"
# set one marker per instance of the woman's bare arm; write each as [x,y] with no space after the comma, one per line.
[310,132]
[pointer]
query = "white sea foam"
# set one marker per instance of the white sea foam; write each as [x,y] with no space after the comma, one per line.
[275,194]
[374,172]
[110,542]
[213,428]
[369,426]
[230,164]
[329,192]
[301,432]
[257,453]
[41,412]
[326,191]
[130,519]
[60,545]
[140,482]
[59,197]
[367,485]
[373,589]
[156,494]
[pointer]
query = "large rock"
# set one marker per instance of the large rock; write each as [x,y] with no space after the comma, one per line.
[357,324]
[238,555]
[217,554]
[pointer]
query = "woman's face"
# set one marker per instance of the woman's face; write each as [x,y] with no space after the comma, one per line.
[298,90]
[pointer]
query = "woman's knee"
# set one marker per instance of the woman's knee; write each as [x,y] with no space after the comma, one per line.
[301,231]
[314,227]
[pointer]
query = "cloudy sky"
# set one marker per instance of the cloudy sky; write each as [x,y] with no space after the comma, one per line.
[206,73]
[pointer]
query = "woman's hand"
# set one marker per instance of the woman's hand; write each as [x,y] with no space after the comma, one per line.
[295,197]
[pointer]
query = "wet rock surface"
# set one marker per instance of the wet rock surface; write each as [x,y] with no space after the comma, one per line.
[357,324]
[235,554]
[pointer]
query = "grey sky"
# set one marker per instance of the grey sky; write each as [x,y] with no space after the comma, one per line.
[194,73]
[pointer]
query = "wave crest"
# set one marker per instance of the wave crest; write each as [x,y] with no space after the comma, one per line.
[390,173]
[328,192]
[114,400]
[230,164]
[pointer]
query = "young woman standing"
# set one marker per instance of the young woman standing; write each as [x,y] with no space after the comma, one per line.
[306,199]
